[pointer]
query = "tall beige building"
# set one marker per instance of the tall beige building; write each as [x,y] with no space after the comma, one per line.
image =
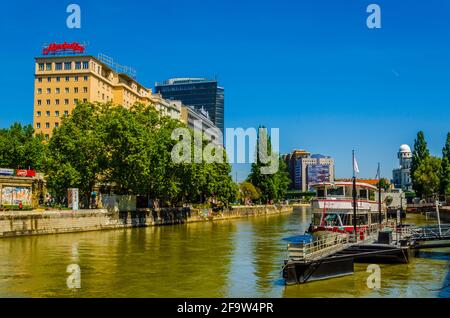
[62,81]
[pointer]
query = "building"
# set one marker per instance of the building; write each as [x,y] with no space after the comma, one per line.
[63,80]
[305,169]
[197,92]
[195,117]
[401,177]
[16,187]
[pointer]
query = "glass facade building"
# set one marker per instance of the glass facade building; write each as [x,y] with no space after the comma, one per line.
[197,92]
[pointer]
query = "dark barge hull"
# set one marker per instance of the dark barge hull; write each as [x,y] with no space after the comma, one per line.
[297,272]
[380,254]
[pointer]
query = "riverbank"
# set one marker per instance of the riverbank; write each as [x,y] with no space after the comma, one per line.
[25,223]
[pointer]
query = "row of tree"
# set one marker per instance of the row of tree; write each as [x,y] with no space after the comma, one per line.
[430,175]
[128,151]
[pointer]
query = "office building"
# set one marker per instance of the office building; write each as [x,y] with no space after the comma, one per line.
[197,92]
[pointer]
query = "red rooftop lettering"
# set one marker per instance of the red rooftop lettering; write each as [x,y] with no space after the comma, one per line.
[54,48]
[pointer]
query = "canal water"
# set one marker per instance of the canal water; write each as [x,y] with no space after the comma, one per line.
[235,258]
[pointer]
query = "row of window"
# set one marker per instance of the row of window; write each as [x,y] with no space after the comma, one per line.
[58,90]
[66,101]
[58,79]
[47,113]
[59,66]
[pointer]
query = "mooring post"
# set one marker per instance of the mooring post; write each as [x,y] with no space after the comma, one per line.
[438,217]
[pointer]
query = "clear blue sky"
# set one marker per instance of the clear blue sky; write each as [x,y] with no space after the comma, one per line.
[311,68]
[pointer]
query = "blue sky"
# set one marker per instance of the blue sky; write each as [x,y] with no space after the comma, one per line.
[311,68]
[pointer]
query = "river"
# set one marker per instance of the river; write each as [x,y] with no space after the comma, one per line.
[234,258]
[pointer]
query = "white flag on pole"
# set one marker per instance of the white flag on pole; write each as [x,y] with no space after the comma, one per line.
[355,165]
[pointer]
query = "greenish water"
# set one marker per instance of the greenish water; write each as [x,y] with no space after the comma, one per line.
[238,258]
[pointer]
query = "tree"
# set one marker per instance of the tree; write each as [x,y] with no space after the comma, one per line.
[273,186]
[248,192]
[420,153]
[385,184]
[445,179]
[427,176]
[20,149]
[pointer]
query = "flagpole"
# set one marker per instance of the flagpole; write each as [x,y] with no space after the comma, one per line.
[354,196]
[379,195]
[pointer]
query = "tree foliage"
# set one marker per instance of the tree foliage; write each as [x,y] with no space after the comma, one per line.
[20,149]
[248,192]
[427,176]
[420,153]
[128,151]
[273,186]
[445,169]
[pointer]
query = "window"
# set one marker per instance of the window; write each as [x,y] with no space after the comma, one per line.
[67,78]
[48,101]
[40,79]
[38,114]
[85,89]
[58,79]
[85,65]
[57,113]
[78,65]
[47,125]
[47,137]
[49,79]
[84,100]
[39,102]
[47,113]
[75,101]
[58,66]
[57,101]
[41,66]
[57,90]
[66,113]
[48,66]
[76,78]
[67,90]
[66,102]
[56,125]
[75,90]
[85,78]
[335,191]
[49,90]
[38,125]
[39,90]
[67,65]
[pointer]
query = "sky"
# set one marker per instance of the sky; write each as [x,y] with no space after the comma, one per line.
[311,68]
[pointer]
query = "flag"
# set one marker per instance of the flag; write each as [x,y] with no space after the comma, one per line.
[355,165]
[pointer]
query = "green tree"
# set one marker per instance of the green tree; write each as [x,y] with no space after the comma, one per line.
[19,148]
[385,184]
[445,180]
[248,192]
[427,176]
[273,186]
[420,153]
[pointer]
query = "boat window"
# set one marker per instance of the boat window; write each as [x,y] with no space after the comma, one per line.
[321,193]
[317,218]
[332,219]
[363,193]
[372,195]
[374,217]
[335,191]
[347,219]
[362,219]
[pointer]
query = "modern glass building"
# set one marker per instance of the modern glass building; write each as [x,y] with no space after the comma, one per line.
[197,92]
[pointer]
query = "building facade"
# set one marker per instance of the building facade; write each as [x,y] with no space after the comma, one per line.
[62,81]
[401,176]
[197,92]
[305,169]
[199,119]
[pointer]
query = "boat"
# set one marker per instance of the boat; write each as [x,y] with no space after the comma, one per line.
[333,208]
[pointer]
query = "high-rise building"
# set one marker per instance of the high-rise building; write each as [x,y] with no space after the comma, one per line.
[198,92]
[62,80]
[306,169]
[402,175]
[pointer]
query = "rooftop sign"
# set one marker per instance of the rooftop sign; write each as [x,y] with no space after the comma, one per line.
[55,48]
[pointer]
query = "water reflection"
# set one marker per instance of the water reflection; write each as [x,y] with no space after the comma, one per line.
[238,258]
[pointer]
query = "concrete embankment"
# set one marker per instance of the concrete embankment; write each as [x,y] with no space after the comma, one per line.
[52,222]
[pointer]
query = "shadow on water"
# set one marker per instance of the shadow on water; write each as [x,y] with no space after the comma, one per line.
[434,255]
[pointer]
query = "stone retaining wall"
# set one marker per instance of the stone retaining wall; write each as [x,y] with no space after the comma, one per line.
[52,222]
